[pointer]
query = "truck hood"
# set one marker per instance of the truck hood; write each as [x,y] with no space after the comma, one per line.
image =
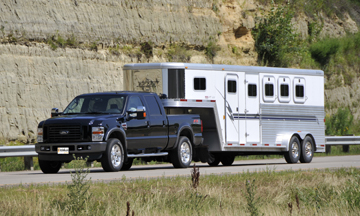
[82,119]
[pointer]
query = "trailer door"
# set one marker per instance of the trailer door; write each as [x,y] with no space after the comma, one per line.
[231,107]
[252,109]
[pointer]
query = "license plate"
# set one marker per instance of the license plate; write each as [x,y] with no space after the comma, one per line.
[63,150]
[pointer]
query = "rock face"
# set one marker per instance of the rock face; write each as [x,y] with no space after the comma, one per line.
[126,21]
[35,78]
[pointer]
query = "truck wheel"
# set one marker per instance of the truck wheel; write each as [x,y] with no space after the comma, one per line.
[49,166]
[307,150]
[113,159]
[127,164]
[227,160]
[213,160]
[293,155]
[181,156]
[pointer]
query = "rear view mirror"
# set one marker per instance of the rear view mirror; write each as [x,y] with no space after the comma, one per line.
[55,112]
[139,113]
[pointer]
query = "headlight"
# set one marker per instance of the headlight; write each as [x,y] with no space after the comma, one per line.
[40,135]
[97,133]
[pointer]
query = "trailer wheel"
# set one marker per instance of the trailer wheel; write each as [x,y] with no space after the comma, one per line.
[49,166]
[113,159]
[227,160]
[293,155]
[181,156]
[213,160]
[127,165]
[307,150]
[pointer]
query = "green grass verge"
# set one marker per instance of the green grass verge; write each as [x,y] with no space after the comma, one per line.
[319,192]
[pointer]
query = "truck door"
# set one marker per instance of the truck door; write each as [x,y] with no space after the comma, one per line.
[252,109]
[137,130]
[157,124]
[231,109]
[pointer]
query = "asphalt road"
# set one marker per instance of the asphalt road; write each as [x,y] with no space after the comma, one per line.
[167,170]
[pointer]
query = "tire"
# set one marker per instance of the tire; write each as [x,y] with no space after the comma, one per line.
[227,160]
[181,156]
[307,150]
[50,166]
[293,155]
[113,158]
[213,160]
[127,164]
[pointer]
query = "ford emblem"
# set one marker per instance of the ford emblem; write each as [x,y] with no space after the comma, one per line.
[64,132]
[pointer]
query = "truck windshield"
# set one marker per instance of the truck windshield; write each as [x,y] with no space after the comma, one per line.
[96,104]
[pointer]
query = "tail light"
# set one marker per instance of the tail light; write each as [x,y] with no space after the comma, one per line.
[202,128]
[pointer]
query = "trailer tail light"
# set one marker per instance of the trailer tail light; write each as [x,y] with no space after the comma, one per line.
[183,99]
[242,144]
[254,144]
[322,145]
[278,144]
[266,144]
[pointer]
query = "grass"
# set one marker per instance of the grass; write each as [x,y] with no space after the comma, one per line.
[319,192]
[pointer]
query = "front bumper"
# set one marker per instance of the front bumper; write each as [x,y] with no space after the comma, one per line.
[49,151]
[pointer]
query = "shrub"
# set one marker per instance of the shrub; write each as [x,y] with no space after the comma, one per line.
[178,53]
[339,123]
[211,49]
[322,51]
[274,37]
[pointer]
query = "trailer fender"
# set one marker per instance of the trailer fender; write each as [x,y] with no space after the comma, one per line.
[284,139]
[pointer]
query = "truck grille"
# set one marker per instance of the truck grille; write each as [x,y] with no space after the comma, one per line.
[68,133]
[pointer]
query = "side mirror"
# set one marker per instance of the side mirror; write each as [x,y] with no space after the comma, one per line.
[139,113]
[55,112]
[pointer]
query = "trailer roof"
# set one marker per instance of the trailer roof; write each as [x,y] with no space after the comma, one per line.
[221,67]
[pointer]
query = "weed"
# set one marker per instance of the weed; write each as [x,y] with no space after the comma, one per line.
[178,52]
[93,46]
[211,49]
[195,177]
[147,49]
[71,41]
[252,202]
[78,191]
[128,209]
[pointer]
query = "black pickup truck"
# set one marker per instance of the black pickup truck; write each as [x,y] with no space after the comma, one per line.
[114,128]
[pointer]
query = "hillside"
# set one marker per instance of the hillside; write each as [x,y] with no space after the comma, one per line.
[53,51]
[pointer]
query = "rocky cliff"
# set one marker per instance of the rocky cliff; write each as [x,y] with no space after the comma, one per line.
[37,75]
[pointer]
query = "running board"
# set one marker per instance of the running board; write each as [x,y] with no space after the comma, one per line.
[148,155]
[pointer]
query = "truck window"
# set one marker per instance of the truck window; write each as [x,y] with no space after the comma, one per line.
[231,86]
[134,102]
[199,83]
[153,106]
[252,90]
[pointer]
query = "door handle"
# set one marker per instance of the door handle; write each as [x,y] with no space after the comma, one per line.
[164,123]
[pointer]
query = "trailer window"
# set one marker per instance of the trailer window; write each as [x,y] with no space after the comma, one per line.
[231,86]
[299,91]
[269,90]
[284,90]
[252,90]
[199,83]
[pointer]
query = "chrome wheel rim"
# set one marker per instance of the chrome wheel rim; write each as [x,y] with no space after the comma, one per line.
[308,149]
[185,152]
[295,149]
[116,155]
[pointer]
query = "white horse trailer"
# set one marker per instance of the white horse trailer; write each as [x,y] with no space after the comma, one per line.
[245,110]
